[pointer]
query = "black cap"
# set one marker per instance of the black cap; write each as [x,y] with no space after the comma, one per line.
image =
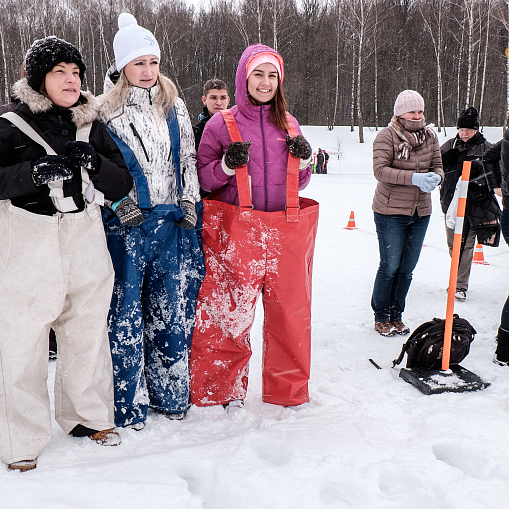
[45,53]
[468,119]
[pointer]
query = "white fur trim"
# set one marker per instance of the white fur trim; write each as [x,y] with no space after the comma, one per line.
[82,114]
[227,170]
[304,163]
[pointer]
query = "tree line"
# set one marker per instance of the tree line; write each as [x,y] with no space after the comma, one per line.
[345,60]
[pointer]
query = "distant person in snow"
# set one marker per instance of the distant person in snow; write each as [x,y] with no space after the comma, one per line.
[256,241]
[320,159]
[482,212]
[57,270]
[215,98]
[326,161]
[158,263]
[408,167]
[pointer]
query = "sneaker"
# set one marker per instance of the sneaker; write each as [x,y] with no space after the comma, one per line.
[501,356]
[52,345]
[23,466]
[385,328]
[106,437]
[137,426]
[175,416]
[461,294]
[495,360]
[234,406]
[400,327]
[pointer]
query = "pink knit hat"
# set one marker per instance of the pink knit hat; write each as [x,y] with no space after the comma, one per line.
[408,100]
[264,58]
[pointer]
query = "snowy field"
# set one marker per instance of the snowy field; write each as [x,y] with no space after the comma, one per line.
[366,440]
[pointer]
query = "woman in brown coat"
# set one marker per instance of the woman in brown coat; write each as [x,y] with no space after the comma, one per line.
[408,166]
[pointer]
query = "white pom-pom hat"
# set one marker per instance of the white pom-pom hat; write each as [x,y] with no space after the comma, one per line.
[132,41]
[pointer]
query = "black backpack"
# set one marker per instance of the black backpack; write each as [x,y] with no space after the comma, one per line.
[424,347]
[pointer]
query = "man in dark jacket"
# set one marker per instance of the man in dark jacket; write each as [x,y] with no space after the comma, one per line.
[319,161]
[215,98]
[468,145]
[496,169]
[326,161]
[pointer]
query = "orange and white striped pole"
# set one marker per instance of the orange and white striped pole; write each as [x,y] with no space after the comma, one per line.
[455,258]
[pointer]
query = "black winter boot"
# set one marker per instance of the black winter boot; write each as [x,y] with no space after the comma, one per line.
[501,356]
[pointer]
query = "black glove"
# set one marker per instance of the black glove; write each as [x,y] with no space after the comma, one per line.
[299,146]
[237,154]
[82,154]
[51,168]
[188,222]
[450,156]
[128,213]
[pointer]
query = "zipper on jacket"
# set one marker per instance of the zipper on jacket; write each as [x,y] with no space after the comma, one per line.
[264,158]
[136,134]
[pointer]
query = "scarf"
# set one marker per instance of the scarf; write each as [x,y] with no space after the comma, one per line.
[412,134]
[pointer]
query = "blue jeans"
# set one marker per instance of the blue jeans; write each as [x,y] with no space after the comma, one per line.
[400,241]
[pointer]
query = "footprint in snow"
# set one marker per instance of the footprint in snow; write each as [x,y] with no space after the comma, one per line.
[473,463]
[190,472]
[271,452]
[341,495]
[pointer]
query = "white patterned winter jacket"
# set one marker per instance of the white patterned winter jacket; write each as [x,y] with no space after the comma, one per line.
[139,124]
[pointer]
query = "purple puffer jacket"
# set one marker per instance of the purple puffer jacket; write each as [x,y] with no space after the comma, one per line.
[268,154]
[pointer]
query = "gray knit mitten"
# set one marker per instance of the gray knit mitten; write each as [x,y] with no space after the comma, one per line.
[299,146]
[237,154]
[128,213]
[188,222]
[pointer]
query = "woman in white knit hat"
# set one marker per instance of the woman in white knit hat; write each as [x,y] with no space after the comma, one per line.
[408,167]
[158,263]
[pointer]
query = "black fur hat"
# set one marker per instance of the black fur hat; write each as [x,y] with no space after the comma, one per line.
[45,53]
[468,119]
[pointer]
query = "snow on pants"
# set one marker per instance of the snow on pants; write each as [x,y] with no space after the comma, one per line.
[55,271]
[158,272]
[266,254]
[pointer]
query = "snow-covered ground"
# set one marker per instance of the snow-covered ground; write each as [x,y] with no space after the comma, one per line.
[366,440]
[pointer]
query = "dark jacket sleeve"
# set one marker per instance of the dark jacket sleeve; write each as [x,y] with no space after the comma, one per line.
[16,179]
[491,161]
[113,178]
[504,159]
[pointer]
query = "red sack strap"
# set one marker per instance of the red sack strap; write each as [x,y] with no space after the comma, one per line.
[241,173]
[292,177]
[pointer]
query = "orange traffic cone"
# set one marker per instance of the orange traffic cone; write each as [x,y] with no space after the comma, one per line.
[351,223]
[478,255]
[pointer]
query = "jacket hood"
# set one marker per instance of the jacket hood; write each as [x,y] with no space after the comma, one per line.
[241,98]
[85,111]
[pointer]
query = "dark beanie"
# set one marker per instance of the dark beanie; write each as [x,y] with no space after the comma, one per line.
[468,119]
[44,54]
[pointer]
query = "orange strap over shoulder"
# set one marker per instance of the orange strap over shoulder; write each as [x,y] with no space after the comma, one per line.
[241,173]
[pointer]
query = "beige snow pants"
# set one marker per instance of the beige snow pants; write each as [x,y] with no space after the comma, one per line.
[54,271]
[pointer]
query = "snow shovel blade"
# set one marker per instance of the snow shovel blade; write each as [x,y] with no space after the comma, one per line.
[436,381]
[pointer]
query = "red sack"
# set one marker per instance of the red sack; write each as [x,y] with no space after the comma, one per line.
[247,252]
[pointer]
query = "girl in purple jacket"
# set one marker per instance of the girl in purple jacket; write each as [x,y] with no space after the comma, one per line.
[260,114]
[239,269]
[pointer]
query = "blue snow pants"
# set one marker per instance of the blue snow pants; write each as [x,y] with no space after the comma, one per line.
[159,269]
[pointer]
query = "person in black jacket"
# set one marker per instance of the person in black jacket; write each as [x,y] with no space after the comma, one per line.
[481,209]
[215,98]
[496,168]
[57,162]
